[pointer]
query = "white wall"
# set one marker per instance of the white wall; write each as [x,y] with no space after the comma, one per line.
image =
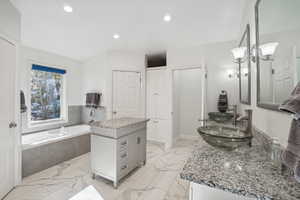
[274,123]
[185,57]
[287,11]
[187,101]
[10,21]
[97,73]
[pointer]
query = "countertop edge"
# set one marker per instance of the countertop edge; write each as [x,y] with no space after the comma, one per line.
[134,123]
[138,120]
[216,186]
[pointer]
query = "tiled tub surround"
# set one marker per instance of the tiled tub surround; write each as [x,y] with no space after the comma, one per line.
[246,171]
[45,149]
[99,114]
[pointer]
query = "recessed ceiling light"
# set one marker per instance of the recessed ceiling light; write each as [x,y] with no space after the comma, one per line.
[167,17]
[116,36]
[68,8]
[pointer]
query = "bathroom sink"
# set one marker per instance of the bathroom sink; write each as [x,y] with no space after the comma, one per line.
[226,138]
[220,117]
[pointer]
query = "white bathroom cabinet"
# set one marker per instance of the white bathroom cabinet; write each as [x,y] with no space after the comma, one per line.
[114,157]
[157,105]
[202,192]
[157,129]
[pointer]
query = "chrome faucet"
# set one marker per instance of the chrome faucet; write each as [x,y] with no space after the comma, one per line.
[248,118]
[234,110]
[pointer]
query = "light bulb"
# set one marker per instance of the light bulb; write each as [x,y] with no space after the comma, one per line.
[68,8]
[268,49]
[167,18]
[239,53]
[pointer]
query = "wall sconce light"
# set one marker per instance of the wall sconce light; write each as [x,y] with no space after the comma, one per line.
[230,73]
[239,54]
[266,51]
[245,72]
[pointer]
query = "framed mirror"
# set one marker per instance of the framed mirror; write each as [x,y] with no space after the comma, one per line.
[277,50]
[245,68]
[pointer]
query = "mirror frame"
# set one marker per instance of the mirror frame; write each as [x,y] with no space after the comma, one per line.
[246,34]
[269,106]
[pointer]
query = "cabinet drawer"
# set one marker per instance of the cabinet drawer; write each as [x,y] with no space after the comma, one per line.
[123,157]
[123,169]
[122,145]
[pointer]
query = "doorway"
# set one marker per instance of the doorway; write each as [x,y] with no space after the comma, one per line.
[126,94]
[188,101]
[8,136]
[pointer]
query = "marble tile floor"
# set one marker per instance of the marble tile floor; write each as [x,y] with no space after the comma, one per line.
[158,180]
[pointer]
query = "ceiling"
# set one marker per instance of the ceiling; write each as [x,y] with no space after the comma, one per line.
[89,29]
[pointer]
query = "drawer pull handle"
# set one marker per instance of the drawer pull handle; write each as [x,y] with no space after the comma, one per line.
[124,143]
[124,155]
[124,167]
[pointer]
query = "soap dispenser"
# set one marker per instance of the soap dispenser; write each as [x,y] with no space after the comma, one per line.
[223,102]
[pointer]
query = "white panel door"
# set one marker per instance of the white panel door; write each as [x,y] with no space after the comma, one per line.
[126,94]
[152,133]
[151,93]
[189,91]
[162,97]
[157,99]
[7,115]
[157,130]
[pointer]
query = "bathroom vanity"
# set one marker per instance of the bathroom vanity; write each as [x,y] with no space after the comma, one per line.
[117,147]
[242,174]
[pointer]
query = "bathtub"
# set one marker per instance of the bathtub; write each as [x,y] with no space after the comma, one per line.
[45,137]
[45,149]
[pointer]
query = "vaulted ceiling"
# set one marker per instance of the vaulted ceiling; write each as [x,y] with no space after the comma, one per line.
[89,29]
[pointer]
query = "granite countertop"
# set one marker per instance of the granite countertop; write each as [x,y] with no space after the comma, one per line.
[245,171]
[118,123]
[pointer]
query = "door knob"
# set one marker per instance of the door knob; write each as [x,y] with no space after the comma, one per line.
[12,125]
[115,112]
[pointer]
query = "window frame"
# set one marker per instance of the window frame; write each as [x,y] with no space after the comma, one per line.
[63,100]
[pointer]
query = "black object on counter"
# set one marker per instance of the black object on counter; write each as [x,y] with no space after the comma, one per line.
[223,102]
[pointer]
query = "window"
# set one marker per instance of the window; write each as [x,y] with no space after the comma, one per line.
[47,94]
